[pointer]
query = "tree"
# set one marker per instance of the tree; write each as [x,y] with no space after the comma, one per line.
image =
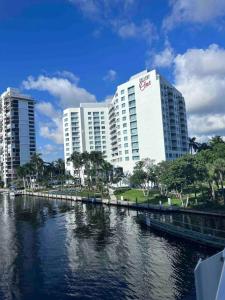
[77,161]
[38,165]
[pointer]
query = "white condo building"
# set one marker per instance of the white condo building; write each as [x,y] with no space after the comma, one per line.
[86,128]
[17,132]
[145,119]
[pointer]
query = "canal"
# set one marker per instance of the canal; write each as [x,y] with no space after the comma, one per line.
[53,249]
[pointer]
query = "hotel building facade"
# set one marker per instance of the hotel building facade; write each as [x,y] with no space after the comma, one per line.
[145,119]
[17,132]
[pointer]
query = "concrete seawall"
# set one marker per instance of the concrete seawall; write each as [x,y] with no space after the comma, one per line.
[122,203]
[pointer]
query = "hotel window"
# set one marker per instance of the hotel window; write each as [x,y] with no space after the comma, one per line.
[89,123]
[95,113]
[124,125]
[123,112]
[103,132]
[132,103]
[122,92]
[126,151]
[102,112]
[126,158]
[125,132]
[103,122]
[131,90]
[66,124]
[102,117]
[126,138]
[120,152]
[133,131]
[132,111]
[131,97]
[122,98]
[125,145]
[134,138]
[124,118]
[103,137]
[103,127]
[136,157]
[89,118]
[135,151]
[133,118]
[135,145]
[91,147]
[67,129]
[124,104]
[90,127]
[67,140]
[66,120]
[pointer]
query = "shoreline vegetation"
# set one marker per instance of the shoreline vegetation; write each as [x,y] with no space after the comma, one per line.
[193,181]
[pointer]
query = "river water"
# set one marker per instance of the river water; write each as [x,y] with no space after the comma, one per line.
[53,249]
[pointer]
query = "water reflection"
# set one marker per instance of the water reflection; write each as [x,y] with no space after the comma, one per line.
[53,249]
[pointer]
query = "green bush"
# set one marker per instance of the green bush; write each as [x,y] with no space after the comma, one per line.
[121,190]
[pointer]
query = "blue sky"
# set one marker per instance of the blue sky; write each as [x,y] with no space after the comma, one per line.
[63,52]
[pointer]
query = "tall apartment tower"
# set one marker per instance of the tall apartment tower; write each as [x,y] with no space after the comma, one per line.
[145,119]
[86,128]
[17,132]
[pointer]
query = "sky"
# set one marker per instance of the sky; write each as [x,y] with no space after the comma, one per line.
[64,52]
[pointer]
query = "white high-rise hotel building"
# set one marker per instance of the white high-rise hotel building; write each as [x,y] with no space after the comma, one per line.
[145,119]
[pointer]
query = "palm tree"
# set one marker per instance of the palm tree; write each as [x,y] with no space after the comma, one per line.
[77,161]
[87,166]
[219,169]
[193,145]
[96,159]
[38,164]
[60,169]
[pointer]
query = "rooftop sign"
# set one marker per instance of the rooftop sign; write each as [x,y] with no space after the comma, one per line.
[144,82]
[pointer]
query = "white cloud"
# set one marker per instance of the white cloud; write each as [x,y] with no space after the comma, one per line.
[68,92]
[210,124]
[162,59]
[145,30]
[102,10]
[200,76]
[50,152]
[64,86]
[117,15]
[194,11]
[110,76]
[69,75]
[53,129]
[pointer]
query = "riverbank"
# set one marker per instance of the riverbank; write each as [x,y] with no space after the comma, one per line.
[122,203]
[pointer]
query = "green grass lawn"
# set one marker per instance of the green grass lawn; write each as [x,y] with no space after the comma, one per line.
[153,198]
